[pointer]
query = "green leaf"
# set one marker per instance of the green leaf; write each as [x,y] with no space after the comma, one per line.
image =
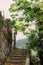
[12,22]
[21,19]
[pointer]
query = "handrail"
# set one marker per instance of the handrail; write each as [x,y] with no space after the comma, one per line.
[27,58]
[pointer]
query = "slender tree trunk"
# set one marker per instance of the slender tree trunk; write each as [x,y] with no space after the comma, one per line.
[14,40]
[41,42]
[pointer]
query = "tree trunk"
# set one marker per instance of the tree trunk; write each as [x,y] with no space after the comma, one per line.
[14,40]
[41,42]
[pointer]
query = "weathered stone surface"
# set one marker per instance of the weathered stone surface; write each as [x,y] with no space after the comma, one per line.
[17,57]
[5,41]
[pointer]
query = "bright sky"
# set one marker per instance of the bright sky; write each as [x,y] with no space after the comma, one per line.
[4,5]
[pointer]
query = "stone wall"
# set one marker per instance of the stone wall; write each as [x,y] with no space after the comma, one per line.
[5,40]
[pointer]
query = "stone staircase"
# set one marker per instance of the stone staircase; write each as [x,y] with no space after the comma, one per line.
[17,57]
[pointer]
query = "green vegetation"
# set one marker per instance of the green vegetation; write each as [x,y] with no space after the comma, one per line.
[24,12]
[30,12]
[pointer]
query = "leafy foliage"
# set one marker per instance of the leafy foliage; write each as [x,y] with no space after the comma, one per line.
[32,40]
[30,11]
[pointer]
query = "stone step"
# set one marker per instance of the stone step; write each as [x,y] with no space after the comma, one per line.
[14,63]
[17,57]
[19,50]
[17,53]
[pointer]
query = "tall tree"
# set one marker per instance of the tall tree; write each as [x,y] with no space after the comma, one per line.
[30,11]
